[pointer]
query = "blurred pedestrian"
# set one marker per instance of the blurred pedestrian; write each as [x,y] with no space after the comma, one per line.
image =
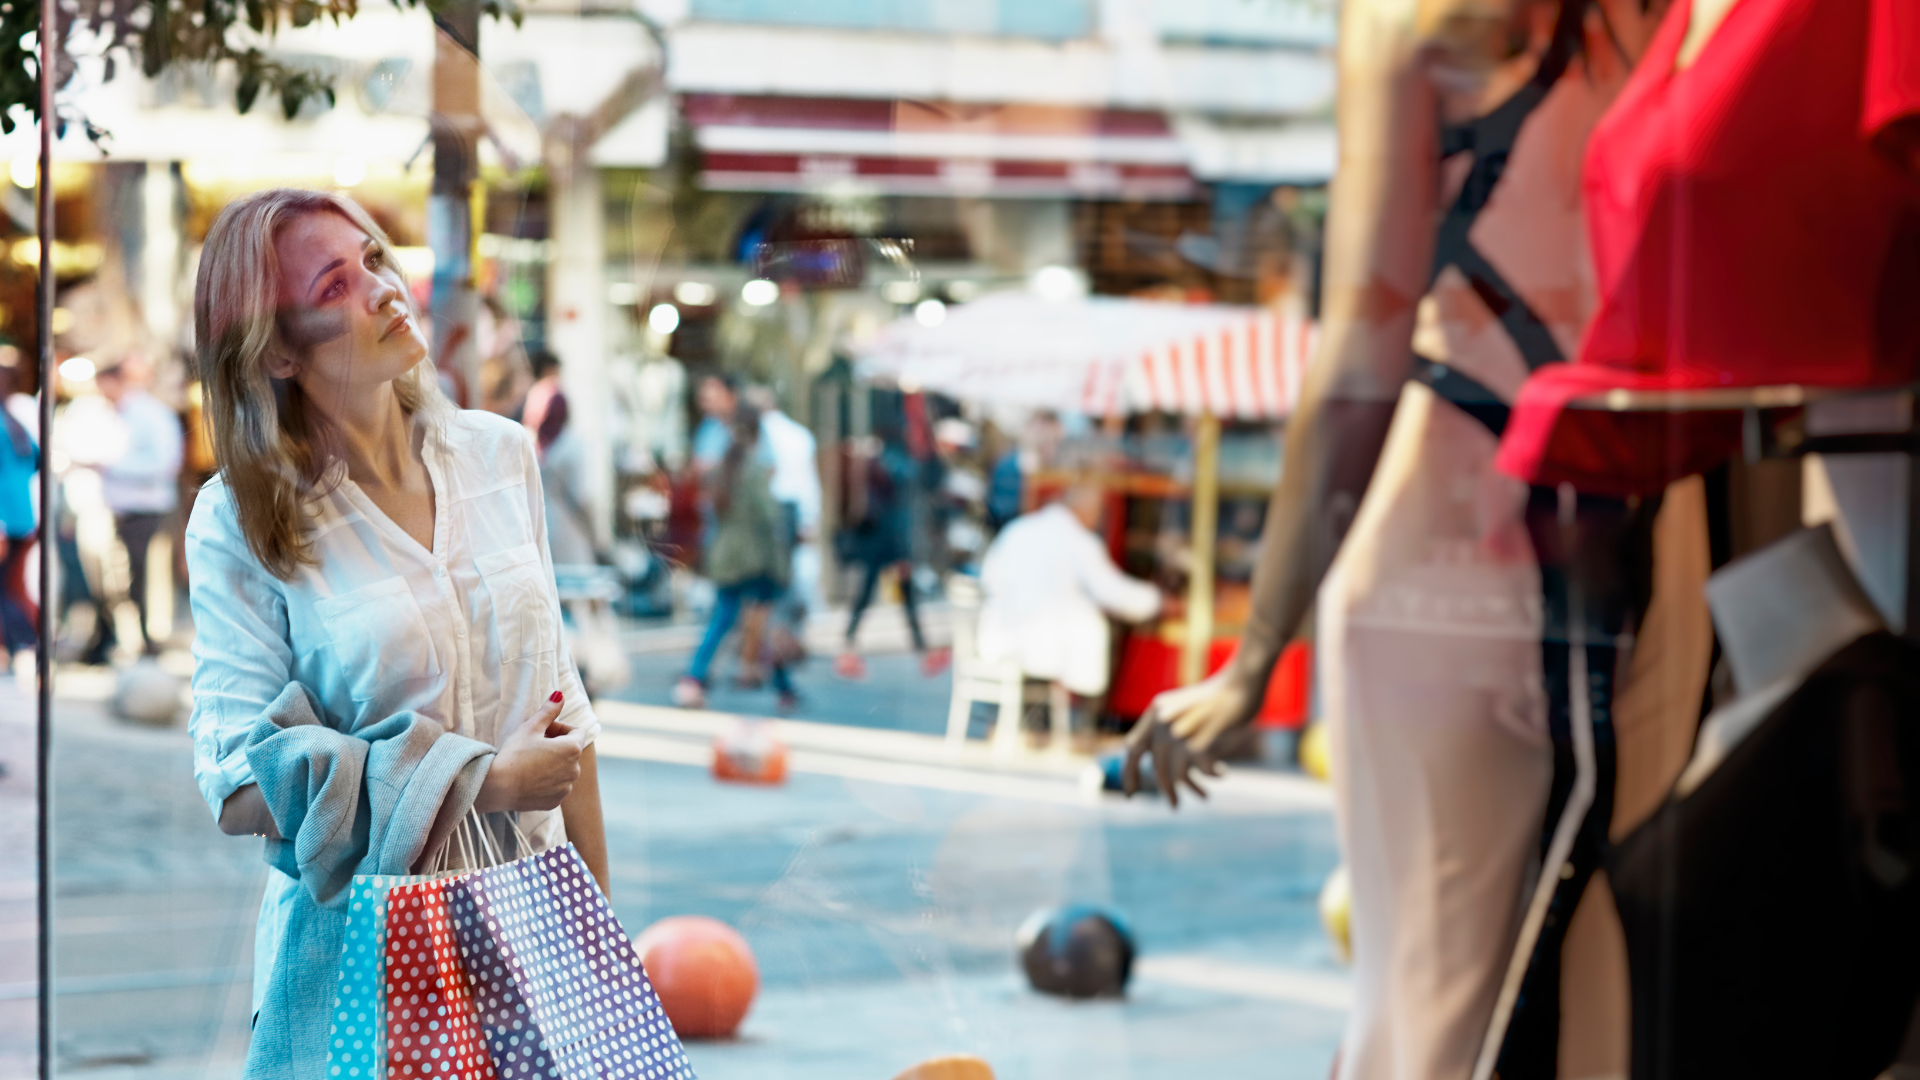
[142,488]
[504,374]
[960,509]
[1006,487]
[796,488]
[717,395]
[19,463]
[545,410]
[880,538]
[24,408]
[566,482]
[746,560]
[1050,586]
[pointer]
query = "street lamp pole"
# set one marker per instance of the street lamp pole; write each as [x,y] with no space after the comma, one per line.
[456,130]
[43,662]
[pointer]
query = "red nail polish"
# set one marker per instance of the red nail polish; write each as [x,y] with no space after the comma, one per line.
[555,697]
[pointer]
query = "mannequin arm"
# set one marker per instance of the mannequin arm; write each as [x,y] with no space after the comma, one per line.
[1379,246]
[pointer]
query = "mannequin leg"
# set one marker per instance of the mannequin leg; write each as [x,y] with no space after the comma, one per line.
[1655,719]
[1429,663]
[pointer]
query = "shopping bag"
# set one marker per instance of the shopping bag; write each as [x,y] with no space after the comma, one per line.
[357,1038]
[559,989]
[433,1031]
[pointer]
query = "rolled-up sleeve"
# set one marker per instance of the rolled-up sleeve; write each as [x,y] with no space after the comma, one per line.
[575,711]
[242,660]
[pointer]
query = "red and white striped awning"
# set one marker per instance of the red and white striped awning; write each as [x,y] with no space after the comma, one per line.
[1102,356]
[1250,364]
[768,143]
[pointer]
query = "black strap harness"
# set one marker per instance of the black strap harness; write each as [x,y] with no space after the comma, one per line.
[1490,140]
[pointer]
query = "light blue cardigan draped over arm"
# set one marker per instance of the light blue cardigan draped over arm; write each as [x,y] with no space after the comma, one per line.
[377,801]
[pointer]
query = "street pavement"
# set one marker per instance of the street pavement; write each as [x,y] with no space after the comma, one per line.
[895,695]
[880,889]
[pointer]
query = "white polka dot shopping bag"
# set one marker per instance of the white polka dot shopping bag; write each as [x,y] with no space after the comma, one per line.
[357,1038]
[560,993]
[357,1032]
[433,1027]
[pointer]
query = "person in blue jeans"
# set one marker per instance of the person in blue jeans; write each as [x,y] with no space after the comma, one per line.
[746,561]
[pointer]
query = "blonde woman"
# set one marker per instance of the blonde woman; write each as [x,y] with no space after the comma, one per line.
[378,637]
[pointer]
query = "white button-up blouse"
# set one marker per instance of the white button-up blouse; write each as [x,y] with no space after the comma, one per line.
[468,633]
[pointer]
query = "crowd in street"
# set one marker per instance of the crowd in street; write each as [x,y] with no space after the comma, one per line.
[918,499]
[120,453]
[916,502]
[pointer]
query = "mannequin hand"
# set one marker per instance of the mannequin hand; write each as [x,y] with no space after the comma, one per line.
[535,766]
[1179,729]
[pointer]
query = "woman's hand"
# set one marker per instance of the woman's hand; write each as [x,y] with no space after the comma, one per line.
[1180,728]
[245,813]
[535,766]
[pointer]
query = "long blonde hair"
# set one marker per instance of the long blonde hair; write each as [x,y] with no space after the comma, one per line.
[269,442]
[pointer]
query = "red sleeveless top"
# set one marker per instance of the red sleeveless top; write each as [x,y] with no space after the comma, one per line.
[1751,225]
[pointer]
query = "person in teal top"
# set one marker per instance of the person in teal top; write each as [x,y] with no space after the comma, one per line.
[19,462]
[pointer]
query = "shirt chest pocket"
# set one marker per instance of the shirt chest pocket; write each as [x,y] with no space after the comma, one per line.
[521,591]
[380,636]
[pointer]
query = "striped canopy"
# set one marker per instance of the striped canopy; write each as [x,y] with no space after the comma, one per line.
[1102,356]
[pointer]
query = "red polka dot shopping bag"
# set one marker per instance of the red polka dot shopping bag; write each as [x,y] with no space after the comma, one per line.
[433,1030]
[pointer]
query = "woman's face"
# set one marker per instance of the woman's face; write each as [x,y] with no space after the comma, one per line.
[344,311]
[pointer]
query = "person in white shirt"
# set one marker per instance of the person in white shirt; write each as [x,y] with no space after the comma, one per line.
[796,488]
[141,486]
[388,553]
[1050,587]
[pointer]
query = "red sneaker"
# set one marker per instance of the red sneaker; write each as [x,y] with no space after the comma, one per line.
[936,661]
[850,667]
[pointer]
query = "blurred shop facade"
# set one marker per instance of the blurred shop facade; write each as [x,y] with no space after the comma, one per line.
[806,197]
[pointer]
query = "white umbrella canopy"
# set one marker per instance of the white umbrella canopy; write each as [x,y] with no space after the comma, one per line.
[1101,355]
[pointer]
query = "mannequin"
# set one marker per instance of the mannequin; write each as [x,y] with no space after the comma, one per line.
[1429,632]
[1772,904]
[1780,612]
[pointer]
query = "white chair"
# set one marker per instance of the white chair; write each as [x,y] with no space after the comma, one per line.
[999,683]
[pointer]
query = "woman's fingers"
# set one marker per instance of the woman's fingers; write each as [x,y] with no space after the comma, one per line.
[1169,761]
[1138,746]
[540,723]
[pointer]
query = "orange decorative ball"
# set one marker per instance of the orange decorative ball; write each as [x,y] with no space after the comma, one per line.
[703,971]
[954,1067]
[749,753]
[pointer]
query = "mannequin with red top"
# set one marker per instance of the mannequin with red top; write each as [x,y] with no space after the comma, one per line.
[1455,264]
[1753,201]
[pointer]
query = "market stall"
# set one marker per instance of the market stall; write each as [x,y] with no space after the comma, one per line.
[1165,379]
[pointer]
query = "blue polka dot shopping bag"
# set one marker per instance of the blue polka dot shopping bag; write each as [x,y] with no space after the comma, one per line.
[559,990]
[357,1039]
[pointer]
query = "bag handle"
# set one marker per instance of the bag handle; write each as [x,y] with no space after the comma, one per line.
[478,848]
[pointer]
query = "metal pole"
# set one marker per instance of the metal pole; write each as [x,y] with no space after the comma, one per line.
[1205,525]
[43,742]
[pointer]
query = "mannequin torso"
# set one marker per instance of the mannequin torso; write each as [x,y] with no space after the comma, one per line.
[1781,612]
